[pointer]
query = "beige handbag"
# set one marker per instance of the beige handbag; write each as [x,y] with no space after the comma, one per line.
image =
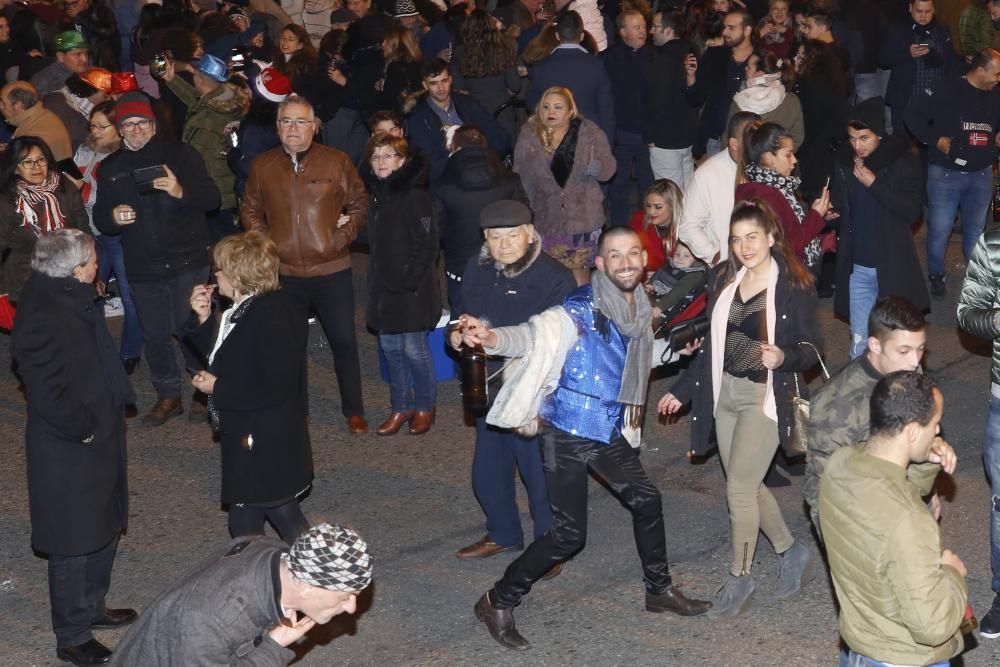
[796,445]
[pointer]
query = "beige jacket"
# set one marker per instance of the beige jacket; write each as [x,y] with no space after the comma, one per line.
[898,603]
[42,123]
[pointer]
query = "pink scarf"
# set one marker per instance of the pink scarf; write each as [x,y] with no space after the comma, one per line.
[34,201]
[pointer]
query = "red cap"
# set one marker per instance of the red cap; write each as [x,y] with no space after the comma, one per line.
[123,82]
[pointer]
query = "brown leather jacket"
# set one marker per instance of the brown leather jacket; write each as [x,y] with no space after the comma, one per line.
[299,208]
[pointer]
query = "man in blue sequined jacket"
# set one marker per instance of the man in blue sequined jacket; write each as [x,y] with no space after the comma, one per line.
[588,420]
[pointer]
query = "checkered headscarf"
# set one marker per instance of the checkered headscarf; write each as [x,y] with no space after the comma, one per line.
[331,557]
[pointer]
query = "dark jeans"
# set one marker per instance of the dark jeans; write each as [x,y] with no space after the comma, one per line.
[222,223]
[567,462]
[332,297]
[111,259]
[498,452]
[164,308]
[629,148]
[77,586]
[285,515]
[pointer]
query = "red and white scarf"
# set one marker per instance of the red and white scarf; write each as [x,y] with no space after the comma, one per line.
[39,206]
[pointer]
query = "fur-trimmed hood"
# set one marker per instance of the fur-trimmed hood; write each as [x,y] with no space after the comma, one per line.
[229,98]
[520,266]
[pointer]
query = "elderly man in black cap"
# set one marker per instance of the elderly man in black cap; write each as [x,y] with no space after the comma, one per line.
[877,188]
[247,605]
[509,281]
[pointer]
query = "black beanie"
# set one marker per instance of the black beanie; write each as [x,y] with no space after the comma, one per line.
[871,112]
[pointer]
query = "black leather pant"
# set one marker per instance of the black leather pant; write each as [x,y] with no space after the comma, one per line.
[567,461]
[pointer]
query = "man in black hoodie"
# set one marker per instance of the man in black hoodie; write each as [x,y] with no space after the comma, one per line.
[877,188]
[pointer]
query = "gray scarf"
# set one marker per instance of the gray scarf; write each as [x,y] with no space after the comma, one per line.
[635,325]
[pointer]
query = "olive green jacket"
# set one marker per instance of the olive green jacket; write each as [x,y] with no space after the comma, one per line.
[979,303]
[205,128]
[898,603]
[839,417]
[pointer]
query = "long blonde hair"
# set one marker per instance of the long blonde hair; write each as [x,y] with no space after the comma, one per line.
[674,198]
[545,135]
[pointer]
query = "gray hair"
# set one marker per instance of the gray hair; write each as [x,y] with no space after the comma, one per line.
[59,252]
[296,99]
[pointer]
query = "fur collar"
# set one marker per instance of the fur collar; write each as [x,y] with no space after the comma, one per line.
[413,174]
[520,266]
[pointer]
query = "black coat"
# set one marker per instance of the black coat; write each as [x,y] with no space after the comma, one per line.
[894,54]
[795,322]
[404,293]
[670,111]
[472,179]
[260,391]
[899,193]
[77,391]
[824,115]
[169,236]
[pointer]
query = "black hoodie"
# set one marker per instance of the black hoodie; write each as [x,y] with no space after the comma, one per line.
[472,178]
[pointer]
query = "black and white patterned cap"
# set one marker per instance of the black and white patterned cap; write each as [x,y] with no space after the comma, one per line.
[331,557]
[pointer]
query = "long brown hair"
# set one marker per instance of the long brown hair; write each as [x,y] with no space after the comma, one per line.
[485,50]
[303,60]
[400,45]
[760,213]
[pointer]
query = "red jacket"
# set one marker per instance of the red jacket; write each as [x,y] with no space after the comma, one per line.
[655,254]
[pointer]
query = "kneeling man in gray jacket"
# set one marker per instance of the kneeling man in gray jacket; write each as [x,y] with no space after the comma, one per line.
[248,604]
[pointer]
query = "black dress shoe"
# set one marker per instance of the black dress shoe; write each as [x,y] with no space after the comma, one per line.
[673,600]
[115,618]
[500,623]
[87,653]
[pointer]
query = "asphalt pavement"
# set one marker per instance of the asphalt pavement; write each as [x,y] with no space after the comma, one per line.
[410,496]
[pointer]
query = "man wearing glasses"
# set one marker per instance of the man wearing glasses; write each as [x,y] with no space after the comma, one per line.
[155,193]
[297,193]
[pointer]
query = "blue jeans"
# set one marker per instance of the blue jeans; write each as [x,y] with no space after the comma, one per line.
[849,658]
[867,86]
[411,371]
[991,460]
[864,293]
[948,192]
[497,453]
[629,148]
[111,259]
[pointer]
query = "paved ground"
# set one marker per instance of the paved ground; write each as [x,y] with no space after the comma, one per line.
[411,498]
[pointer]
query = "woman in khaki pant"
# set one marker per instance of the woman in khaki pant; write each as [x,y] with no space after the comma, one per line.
[763,330]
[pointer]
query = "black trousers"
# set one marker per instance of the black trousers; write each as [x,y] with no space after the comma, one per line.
[77,586]
[567,460]
[285,515]
[164,307]
[332,297]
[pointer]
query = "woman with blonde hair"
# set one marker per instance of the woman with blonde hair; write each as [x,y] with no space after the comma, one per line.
[763,331]
[256,384]
[562,159]
[401,76]
[657,222]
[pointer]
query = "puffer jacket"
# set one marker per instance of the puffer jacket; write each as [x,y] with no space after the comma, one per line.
[979,303]
[898,603]
[404,293]
[297,204]
[205,125]
[472,179]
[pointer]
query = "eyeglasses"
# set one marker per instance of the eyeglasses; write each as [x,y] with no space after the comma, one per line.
[287,123]
[132,125]
[657,27]
[381,157]
[95,126]
[32,163]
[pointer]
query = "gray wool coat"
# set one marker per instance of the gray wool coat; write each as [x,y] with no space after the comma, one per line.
[579,207]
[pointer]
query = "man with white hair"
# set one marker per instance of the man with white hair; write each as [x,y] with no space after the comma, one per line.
[247,605]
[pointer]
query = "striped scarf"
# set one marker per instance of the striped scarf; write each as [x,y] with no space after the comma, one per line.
[39,206]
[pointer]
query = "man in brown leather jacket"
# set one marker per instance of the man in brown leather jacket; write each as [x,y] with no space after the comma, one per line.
[310,200]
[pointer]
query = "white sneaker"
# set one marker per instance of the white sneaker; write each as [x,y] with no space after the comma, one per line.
[113,307]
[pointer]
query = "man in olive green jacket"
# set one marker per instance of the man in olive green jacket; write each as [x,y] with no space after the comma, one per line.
[902,599]
[979,314]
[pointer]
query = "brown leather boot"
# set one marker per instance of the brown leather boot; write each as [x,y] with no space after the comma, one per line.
[395,422]
[500,623]
[422,422]
[162,410]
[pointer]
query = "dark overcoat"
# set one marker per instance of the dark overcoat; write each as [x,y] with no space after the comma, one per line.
[77,391]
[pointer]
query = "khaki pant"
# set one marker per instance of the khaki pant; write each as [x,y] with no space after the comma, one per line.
[748,440]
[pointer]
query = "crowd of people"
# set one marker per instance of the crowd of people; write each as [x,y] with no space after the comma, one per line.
[563,179]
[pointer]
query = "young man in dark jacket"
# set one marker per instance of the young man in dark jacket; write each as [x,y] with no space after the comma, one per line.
[670,101]
[509,281]
[161,219]
[723,69]
[958,119]
[877,189]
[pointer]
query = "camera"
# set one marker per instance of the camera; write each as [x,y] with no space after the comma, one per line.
[158,65]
